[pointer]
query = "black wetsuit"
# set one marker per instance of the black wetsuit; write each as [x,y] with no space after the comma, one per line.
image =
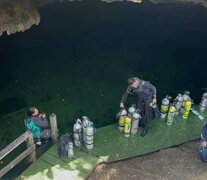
[145,93]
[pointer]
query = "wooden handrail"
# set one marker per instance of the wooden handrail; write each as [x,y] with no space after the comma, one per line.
[17,160]
[14,144]
[30,151]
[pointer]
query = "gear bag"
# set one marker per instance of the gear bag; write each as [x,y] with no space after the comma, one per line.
[154,111]
[63,150]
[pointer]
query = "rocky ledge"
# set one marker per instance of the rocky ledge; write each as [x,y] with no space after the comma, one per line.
[17,15]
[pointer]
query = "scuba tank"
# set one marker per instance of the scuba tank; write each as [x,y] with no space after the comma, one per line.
[127,126]
[121,115]
[77,133]
[85,124]
[131,110]
[178,103]
[203,104]
[88,132]
[70,149]
[171,114]
[196,113]
[187,109]
[89,136]
[165,106]
[135,122]
[185,97]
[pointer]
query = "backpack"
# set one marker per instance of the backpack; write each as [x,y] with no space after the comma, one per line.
[36,130]
[63,148]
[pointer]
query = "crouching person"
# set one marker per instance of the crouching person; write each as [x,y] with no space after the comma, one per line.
[35,122]
[204,143]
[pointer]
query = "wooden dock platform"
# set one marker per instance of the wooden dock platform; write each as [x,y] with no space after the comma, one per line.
[111,145]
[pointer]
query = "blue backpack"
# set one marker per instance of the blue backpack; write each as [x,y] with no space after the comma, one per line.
[36,130]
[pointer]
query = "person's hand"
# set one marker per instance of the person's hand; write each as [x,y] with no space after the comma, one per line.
[121,105]
[154,101]
[204,144]
[43,115]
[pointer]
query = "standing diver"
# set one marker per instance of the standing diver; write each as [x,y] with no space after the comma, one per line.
[146,94]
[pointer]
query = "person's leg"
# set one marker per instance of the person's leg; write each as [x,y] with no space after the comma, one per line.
[37,141]
[147,116]
[140,106]
[45,134]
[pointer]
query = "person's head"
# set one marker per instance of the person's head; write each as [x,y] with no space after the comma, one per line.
[132,82]
[32,111]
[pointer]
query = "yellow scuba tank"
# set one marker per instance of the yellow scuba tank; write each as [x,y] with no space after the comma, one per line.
[121,115]
[187,109]
[165,106]
[171,114]
[127,126]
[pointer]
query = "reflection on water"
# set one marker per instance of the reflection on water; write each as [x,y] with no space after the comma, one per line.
[77,61]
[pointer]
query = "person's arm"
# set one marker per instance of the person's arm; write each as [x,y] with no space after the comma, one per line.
[40,121]
[125,96]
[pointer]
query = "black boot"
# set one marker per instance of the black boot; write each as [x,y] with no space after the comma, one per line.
[144,132]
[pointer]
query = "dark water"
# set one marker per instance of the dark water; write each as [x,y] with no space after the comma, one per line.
[77,61]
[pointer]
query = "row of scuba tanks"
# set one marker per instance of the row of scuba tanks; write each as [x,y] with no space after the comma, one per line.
[182,105]
[129,121]
[83,132]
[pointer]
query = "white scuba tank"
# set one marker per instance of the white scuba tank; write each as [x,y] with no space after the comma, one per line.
[85,123]
[135,122]
[88,132]
[131,110]
[203,103]
[178,103]
[77,133]
[70,150]
[89,135]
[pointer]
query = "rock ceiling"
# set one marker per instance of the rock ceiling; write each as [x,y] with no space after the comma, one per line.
[20,15]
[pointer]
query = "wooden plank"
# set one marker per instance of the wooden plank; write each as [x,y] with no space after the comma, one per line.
[17,160]
[14,144]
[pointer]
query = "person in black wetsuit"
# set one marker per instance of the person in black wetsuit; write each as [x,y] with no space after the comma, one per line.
[204,143]
[35,122]
[146,94]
